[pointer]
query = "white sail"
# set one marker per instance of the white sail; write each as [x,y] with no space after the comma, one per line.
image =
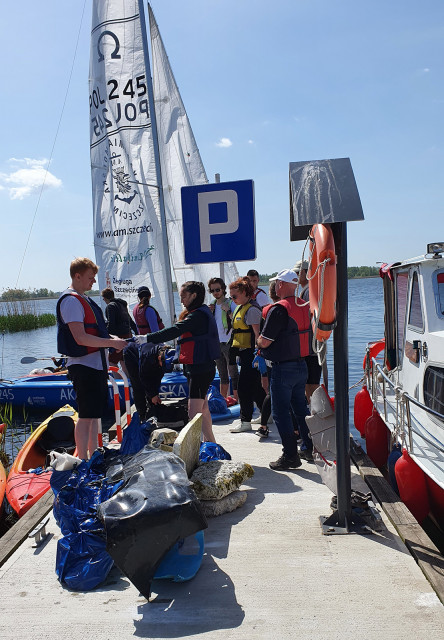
[181,164]
[127,229]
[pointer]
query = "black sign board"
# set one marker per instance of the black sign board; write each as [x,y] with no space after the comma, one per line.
[322,191]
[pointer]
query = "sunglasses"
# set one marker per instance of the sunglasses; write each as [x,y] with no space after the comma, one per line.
[215,290]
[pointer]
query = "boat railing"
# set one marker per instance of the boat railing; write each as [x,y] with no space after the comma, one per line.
[403,415]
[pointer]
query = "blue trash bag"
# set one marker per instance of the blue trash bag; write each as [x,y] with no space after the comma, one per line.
[216,402]
[212,451]
[136,436]
[82,561]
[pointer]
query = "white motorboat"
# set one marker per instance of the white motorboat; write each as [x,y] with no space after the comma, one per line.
[402,405]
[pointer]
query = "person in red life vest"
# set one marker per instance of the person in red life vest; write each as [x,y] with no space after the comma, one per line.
[83,337]
[146,317]
[118,322]
[285,341]
[258,294]
[245,329]
[313,366]
[199,348]
[222,309]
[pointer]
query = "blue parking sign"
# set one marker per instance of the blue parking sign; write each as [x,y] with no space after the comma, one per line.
[218,222]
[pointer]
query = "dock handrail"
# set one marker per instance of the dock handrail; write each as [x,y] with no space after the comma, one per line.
[405,398]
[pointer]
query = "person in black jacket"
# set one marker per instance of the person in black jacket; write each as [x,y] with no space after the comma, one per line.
[118,322]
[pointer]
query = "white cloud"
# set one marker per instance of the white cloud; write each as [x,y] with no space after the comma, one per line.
[250,141]
[426,70]
[26,177]
[224,143]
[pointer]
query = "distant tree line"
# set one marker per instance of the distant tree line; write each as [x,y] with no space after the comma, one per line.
[27,294]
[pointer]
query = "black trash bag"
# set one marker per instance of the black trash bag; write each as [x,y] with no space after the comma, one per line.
[153,510]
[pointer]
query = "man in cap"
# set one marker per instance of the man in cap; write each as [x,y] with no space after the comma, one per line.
[313,366]
[285,340]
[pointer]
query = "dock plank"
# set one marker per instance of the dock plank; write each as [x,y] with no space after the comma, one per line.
[425,553]
[13,538]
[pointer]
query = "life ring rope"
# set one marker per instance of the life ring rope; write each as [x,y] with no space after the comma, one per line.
[321,275]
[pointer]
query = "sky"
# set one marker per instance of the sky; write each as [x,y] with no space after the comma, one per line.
[264,84]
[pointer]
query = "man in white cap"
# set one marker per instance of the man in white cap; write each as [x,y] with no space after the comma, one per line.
[285,340]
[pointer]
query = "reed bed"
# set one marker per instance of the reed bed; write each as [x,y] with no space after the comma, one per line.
[21,315]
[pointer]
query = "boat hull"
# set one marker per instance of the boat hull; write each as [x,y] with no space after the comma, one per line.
[24,487]
[55,390]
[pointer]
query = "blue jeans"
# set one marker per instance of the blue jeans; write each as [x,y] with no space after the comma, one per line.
[287,386]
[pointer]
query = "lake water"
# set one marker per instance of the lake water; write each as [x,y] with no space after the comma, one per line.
[366,316]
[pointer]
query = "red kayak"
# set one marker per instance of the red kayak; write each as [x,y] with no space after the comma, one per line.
[2,473]
[29,477]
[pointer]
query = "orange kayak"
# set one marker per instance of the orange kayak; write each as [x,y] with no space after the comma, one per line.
[29,477]
[2,473]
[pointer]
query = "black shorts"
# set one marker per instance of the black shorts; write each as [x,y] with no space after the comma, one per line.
[91,387]
[314,370]
[198,383]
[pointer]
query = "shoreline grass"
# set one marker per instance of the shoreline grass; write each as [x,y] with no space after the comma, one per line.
[21,315]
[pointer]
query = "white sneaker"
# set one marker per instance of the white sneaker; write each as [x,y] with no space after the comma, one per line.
[256,420]
[243,426]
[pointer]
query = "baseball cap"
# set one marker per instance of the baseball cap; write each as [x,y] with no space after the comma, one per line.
[143,288]
[286,275]
[300,264]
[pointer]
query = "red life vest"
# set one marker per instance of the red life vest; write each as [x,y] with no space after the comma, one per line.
[141,321]
[256,293]
[200,349]
[93,322]
[293,342]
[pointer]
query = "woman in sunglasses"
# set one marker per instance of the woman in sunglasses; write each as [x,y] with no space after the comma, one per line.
[245,331]
[222,308]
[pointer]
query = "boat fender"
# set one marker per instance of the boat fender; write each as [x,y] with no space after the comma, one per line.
[412,486]
[377,439]
[394,456]
[362,409]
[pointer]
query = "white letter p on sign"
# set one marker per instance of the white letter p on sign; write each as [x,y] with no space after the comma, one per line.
[229,197]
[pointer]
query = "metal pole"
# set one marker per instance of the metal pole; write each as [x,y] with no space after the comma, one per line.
[340,345]
[221,264]
[149,81]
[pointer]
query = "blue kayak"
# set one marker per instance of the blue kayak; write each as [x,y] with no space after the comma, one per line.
[55,390]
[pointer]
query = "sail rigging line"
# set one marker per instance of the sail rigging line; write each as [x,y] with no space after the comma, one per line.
[53,145]
[157,163]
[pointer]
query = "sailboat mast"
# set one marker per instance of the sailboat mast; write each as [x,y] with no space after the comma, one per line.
[152,109]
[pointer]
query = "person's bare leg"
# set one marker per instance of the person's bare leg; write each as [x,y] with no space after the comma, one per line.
[197,405]
[81,435]
[235,395]
[93,436]
[224,389]
[309,390]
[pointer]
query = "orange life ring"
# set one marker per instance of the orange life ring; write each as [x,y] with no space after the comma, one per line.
[322,247]
[374,349]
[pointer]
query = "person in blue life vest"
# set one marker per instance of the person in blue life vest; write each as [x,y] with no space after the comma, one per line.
[199,348]
[83,337]
[222,309]
[259,294]
[246,319]
[146,317]
[285,341]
